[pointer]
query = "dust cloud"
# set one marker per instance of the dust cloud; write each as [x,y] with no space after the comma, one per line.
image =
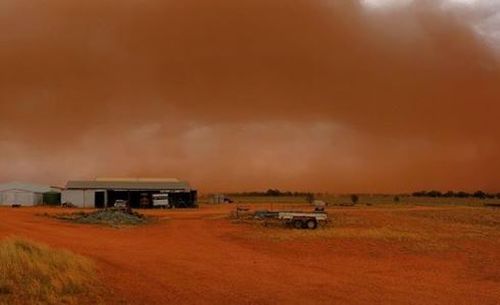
[337,96]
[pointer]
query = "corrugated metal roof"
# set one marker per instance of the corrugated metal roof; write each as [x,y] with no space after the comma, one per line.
[137,179]
[29,187]
[129,185]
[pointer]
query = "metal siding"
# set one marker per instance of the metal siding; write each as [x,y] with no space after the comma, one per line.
[89,198]
[80,198]
[28,187]
[38,198]
[25,198]
[17,197]
[128,185]
[75,197]
[8,197]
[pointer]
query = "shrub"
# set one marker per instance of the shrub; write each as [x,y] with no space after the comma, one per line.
[463,195]
[480,195]
[354,198]
[434,194]
[275,193]
[449,194]
[419,194]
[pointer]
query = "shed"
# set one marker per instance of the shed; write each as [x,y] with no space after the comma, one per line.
[23,193]
[138,192]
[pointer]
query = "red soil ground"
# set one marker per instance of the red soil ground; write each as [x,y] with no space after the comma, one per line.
[200,257]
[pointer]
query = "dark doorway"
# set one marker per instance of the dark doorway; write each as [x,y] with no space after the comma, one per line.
[99,200]
[113,196]
[142,199]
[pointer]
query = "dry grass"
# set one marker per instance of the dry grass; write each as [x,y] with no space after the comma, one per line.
[380,234]
[414,230]
[481,217]
[389,234]
[35,274]
[371,200]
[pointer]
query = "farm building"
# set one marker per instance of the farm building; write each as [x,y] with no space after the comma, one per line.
[17,193]
[139,193]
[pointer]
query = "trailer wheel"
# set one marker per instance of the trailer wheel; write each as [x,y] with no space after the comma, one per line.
[297,224]
[311,224]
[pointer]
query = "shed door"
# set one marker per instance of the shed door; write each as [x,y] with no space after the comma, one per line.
[99,200]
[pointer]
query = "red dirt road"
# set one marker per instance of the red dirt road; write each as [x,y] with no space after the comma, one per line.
[199,257]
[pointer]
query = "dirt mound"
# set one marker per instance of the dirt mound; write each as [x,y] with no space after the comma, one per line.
[111,217]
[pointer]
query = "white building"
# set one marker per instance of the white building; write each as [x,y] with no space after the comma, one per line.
[23,193]
[138,192]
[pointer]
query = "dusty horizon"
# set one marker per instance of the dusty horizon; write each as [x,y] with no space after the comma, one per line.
[373,96]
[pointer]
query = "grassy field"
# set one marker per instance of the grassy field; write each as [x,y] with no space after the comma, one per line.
[379,200]
[418,229]
[34,274]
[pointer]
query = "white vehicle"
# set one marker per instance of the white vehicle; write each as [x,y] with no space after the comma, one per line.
[161,201]
[121,204]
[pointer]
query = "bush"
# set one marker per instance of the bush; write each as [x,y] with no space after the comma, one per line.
[490,196]
[31,273]
[274,193]
[449,194]
[396,199]
[480,195]
[354,198]
[463,195]
[434,194]
[419,194]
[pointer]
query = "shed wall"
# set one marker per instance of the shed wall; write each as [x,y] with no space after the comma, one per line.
[20,197]
[80,198]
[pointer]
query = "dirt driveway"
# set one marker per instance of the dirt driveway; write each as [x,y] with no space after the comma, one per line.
[200,257]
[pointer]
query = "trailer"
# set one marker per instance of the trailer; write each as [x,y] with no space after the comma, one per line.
[299,220]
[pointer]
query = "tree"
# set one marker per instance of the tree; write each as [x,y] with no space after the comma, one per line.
[271,192]
[449,194]
[354,198]
[480,195]
[419,194]
[434,194]
[462,194]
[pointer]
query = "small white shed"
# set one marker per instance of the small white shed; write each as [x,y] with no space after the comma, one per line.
[23,193]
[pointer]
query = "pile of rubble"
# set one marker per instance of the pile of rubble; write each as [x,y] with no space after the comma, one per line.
[112,217]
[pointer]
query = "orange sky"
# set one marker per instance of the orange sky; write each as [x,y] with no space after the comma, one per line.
[339,96]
